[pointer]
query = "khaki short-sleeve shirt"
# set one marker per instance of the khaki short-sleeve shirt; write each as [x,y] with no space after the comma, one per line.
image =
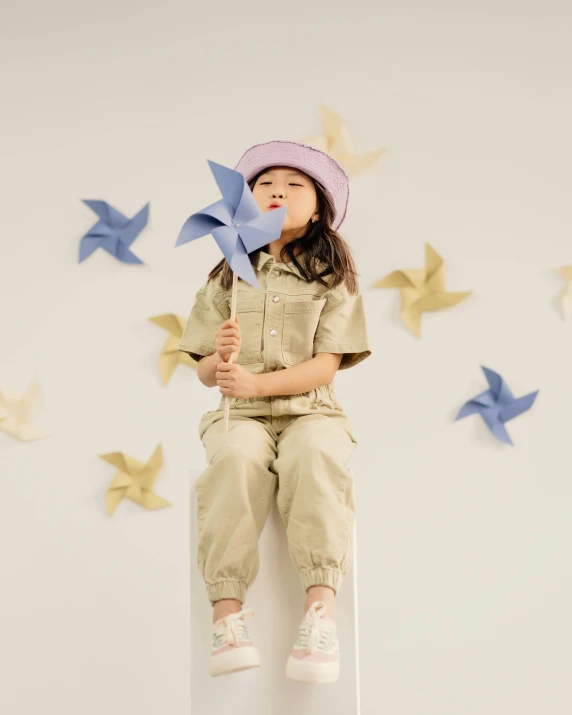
[284,324]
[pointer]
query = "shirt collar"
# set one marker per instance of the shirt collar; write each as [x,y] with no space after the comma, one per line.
[264,258]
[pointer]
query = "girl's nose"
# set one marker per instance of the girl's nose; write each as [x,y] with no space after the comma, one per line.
[277,195]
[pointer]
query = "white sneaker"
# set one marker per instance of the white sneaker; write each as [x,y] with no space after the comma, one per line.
[232,650]
[315,657]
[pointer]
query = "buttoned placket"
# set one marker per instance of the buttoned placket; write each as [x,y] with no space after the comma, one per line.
[273,321]
[273,326]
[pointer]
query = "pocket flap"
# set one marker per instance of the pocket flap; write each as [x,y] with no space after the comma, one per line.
[305,306]
[247,302]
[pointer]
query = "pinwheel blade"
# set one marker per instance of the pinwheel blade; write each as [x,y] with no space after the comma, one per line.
[496,426]
[236,193]
[203,222]
[135,226]
[517,407]
[107,213]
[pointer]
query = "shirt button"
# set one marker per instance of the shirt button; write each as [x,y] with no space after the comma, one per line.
[273,367]
[275,299]
[277,273]
[273,332]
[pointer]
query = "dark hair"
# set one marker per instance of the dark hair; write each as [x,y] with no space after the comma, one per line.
[321,241]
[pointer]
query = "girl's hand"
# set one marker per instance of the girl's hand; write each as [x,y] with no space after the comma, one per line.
[234,381]
[228,339]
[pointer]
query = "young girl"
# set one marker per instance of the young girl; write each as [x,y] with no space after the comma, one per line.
[287,431]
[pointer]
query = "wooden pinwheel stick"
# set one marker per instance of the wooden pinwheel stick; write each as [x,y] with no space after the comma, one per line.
[231,356]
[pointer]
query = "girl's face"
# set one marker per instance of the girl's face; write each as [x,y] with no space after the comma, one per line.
[285,186]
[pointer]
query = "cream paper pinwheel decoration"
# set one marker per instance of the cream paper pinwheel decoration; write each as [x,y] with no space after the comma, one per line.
[337,143]
[15,413]
[134,480]
[171,356]
[566,271]
[421,290]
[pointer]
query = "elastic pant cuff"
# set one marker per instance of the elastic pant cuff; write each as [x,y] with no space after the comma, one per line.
[321,577]
[229,588]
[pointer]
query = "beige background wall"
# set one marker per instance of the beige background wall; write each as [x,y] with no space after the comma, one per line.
[464,543]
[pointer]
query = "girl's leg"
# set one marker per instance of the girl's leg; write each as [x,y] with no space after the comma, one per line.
[234,497]
[316,501]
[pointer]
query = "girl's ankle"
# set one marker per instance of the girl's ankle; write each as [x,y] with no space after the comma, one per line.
[228,606]
[325,595]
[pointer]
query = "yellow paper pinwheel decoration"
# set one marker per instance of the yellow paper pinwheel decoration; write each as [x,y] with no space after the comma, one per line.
[134,480]
[171,356]
[422,290]
[15,413]
[337,143]
[566,271]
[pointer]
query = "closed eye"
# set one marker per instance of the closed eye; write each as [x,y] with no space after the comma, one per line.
[269,182]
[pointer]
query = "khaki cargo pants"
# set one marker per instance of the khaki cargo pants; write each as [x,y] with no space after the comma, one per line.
[301,457]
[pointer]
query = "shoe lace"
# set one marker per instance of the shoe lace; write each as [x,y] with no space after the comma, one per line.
[231,627]
[314,630]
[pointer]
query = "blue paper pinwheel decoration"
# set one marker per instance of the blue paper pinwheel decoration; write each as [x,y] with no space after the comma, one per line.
[235,221]
[497,405]
[114,232]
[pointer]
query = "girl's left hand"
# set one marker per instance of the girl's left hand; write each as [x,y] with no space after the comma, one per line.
[234,381]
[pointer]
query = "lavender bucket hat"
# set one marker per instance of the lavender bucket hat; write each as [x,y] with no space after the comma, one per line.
[306,158]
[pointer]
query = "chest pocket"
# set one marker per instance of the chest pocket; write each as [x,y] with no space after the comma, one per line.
[301,318]
[250,308]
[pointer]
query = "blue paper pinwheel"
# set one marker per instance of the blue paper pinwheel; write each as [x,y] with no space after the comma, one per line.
[114,232]
[235,221]
[497,405]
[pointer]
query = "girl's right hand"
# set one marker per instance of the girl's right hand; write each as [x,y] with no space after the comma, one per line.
[228,340]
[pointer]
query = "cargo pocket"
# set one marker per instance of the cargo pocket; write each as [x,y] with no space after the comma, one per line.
[301,318]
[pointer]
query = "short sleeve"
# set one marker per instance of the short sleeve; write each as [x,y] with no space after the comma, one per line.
[343,327]
[207,313]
